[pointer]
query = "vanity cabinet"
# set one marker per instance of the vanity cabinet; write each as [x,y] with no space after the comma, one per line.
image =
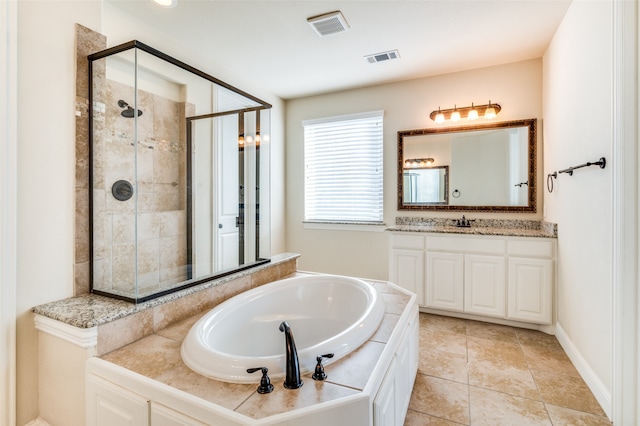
[504,277]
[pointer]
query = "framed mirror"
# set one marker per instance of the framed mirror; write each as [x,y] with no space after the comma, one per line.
[484,167]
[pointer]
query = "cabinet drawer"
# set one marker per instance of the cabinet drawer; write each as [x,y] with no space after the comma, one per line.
[531,248]
[407,241]
[466,245]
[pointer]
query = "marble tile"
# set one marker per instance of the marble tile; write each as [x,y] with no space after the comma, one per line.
[179,330]
[566,391]
[151,356]
[415,418]
[442,323]
[282,400]
[178,310]
[82,278]
[538,339]
[496,408]
[511,379]
[388,323]
[117,334]
[355,369]
[561,416]
[443,341]
[227,395]
[395,303]
[497,332]
[444,365]
[550,360]
[441,398]
[496,352]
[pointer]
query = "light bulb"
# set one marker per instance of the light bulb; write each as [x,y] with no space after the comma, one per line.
[473,114]
[166,3]
[455,115]
[490,112]
[439,117]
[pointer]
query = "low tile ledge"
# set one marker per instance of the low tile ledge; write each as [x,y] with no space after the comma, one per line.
[87,311]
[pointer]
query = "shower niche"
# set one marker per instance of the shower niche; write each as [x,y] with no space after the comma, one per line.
[179,175]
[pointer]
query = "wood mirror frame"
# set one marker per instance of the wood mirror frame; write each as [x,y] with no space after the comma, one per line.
[531,161]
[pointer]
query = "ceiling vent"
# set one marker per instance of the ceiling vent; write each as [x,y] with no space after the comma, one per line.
[384,56]
[329,23]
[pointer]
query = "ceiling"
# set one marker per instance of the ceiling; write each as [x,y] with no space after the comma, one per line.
[270,42]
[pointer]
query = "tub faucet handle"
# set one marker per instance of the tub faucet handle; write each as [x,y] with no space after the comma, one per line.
[265,383]
[319,372]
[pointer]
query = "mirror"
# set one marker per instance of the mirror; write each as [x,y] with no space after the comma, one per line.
[484,167]
[179,175]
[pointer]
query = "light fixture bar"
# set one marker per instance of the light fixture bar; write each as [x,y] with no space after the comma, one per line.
[482,111]
[418,162]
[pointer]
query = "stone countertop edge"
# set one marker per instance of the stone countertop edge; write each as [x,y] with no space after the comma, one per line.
[513,228]
[90,310]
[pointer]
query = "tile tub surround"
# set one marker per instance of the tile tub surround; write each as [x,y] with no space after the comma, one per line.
[157,357]
[118,323]
[503,227]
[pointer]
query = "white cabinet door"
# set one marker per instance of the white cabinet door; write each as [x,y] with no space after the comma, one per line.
[384,405]
[485,285]
[407,271]
[444,285]
[530,290]
[164,416]
[109,404]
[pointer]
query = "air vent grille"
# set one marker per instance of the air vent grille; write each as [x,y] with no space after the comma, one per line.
[329,23]
[383,56]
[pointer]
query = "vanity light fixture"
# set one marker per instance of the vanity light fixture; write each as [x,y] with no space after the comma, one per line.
[166,3]
[472,112]
[455,115]
[418,162]
[490,112]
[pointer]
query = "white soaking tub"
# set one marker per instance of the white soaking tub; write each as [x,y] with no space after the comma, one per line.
[326,313]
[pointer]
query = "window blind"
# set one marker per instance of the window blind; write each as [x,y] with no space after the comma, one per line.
[343,159]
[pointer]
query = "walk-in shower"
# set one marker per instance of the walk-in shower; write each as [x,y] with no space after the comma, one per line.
[179,175]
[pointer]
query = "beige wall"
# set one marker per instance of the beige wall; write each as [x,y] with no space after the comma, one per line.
[578,76]
[46,171]
[517,87]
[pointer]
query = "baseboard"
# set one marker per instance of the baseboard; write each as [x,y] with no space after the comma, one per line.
[599,390]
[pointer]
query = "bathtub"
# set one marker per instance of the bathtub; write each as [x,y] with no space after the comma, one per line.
[327,314]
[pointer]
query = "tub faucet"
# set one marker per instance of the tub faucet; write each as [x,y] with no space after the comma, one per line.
[292,377]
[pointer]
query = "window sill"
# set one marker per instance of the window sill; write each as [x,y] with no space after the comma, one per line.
[347,226]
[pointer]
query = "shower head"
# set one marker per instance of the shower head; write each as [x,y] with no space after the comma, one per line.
[129,112]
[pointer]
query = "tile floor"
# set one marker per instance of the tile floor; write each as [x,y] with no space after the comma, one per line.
[475,373]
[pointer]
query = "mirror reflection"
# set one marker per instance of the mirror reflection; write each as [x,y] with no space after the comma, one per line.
[179,175]
[488,167]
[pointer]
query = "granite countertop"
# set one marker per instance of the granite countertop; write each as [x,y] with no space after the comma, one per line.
[507,227]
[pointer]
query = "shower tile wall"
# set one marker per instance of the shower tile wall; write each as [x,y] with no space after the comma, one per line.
[87,42]
[157,170]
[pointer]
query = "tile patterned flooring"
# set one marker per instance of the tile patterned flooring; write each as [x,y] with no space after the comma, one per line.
[475,373]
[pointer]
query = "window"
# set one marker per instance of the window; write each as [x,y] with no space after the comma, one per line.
[343,169]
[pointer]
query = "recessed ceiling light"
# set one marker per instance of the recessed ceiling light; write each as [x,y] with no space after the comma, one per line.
[166,3]
[328,23]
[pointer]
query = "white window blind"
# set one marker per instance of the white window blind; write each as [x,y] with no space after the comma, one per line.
[343,168]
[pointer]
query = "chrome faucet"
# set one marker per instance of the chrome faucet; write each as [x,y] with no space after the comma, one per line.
[292,377]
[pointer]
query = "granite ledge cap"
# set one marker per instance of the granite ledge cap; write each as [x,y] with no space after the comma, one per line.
[90,310]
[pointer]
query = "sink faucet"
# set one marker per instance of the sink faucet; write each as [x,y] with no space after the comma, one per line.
[292,378]
[463,223]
